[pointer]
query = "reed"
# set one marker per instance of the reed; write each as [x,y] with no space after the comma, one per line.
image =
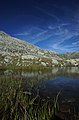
[16,104]
[29,68]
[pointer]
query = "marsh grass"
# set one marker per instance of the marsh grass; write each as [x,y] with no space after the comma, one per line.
[29,68]
[19,104]
[16,104]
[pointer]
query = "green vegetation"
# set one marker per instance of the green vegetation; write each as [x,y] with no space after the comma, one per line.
[29,68]
[16,104]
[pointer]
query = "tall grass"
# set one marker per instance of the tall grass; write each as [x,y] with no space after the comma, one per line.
[16,104]
[29,68]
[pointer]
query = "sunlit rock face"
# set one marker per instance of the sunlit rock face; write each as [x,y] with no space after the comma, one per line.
[20,53]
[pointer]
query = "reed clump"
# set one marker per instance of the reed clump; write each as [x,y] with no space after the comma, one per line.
[16,104]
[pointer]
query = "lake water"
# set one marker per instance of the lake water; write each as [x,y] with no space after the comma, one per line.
[49,83]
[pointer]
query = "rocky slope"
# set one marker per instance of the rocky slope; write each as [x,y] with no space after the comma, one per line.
[71,55]
[20,53]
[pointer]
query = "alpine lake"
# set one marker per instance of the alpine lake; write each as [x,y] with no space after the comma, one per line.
[59,87]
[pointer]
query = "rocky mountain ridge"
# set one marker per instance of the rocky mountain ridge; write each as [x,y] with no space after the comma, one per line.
[20,53]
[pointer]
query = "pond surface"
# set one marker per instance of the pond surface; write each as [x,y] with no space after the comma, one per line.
[49,83]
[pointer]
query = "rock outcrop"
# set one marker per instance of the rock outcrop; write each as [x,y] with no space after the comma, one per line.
[20,53]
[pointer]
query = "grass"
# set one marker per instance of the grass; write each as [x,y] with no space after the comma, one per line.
[29,68]
[16,104]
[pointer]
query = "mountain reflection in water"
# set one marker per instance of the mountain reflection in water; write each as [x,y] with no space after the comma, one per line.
[50,82]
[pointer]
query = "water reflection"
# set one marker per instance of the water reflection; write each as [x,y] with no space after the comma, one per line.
[72,71]
[49,82]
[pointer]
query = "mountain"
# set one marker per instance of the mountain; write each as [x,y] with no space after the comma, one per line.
[72,55]
[13,45]
[17,52]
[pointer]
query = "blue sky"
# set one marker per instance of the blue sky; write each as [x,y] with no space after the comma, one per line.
[49,24]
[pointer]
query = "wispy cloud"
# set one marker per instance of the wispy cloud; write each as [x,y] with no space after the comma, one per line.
[58,43]
[41,33]
[76,43]
[22,34]
[52,27]
[68,47]
[63,8]
[42,38]
[47,13]
[63,36]
[59,34]
[56,35]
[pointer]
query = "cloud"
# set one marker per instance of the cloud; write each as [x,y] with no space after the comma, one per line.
[64,8]
[41,33]
[76,43]
[52,27]
[47,13]
[55,34]
[63,36]
[58,43]
[42,38]
[59,34]
[34,29]
[22,34]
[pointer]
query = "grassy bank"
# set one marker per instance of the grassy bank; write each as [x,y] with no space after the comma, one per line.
[29,68]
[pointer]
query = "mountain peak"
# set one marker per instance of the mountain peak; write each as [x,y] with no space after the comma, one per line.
[2,33]
[14,45]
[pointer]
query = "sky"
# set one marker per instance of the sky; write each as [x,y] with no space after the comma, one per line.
[49,24]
